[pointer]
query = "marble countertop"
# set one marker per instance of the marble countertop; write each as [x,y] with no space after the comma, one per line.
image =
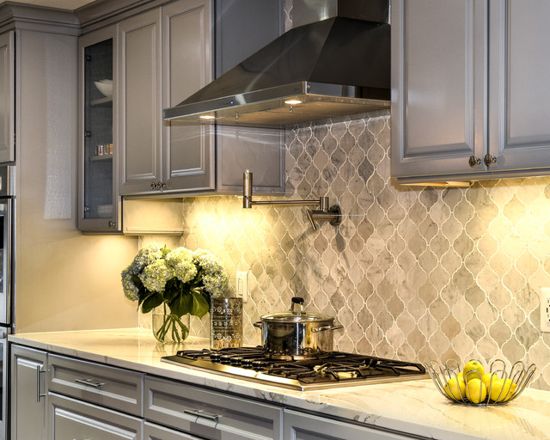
[413,407]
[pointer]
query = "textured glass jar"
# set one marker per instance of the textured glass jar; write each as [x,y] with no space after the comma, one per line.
[226,323]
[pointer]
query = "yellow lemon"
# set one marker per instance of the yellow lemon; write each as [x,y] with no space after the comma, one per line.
[487,378]
[476,390]
[502,390]
[473,369]
[455,388]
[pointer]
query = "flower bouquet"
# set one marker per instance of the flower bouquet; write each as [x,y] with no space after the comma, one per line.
[180,280]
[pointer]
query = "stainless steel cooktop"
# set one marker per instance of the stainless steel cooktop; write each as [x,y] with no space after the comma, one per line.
[325,370]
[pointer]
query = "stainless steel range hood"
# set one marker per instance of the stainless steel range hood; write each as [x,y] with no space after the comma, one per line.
[336,67]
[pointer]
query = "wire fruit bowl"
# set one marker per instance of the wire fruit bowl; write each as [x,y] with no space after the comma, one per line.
[475,387]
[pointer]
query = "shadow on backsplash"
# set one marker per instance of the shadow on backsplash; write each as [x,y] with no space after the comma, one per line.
[417,274]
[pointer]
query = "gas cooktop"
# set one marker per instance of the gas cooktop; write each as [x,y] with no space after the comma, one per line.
[325,370]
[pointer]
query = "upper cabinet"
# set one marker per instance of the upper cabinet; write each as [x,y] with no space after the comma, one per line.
[7,97]
[166,55]
[99,203]
[468,89]
[519,96]
[438,86]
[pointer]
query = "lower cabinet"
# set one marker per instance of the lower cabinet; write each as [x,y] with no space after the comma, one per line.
[28,394]
[156,432]
[300,426]
[70,419]
[208,414]
[82,400]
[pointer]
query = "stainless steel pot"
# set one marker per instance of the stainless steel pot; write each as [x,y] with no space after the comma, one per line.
[296,334]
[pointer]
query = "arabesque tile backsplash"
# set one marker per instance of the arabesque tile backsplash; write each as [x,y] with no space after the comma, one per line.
[412,273]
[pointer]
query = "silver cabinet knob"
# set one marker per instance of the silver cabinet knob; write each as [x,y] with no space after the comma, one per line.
[489,159]
[474,161]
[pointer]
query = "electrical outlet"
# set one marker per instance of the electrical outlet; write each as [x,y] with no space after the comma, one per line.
[545,309]
[241,285]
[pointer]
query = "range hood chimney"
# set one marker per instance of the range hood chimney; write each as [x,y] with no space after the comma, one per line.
[336,67]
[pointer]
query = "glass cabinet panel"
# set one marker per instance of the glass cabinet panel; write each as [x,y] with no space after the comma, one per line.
[99,210]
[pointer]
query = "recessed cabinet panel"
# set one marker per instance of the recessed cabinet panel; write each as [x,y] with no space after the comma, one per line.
[140,101]
[187,32]
[520,97]
[7,100]
[438,59]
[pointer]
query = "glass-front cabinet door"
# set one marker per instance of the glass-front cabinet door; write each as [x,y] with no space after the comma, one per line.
[99,202]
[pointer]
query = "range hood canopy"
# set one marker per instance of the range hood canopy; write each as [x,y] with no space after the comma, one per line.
[336,67]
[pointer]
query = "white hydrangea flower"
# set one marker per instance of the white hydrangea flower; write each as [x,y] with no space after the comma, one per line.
[130,289]
[144,257]
[214,277]
[180,260]
[155,276]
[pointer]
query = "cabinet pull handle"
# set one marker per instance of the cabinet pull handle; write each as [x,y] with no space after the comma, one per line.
[489,159]
[474,161]
[202,414]
[112,224]
[90,383]
[39,372]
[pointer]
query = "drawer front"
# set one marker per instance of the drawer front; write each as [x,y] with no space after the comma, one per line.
[300,426]
[107,386]
[74,420]
[155,432]
[208,414]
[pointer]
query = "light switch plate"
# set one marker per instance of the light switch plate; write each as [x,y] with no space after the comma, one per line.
[545,309]
[241,285]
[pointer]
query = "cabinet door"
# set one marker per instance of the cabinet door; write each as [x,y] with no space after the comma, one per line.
[156,432]
[439,67]
[28,401]
[70,420]
[519,106]
[139,109]
[188,150]
[99,202]
[7,97]
[298,426]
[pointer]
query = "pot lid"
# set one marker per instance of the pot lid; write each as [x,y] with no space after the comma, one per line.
[296,314]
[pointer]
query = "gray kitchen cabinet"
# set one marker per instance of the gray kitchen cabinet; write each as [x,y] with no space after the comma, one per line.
[208,414]
[301,426]
[28,394]
[139,109]
[439,87]
[188,150]
[70,419]
[110,387]
[519,96]
[99,204]
[7,97]
[157,432]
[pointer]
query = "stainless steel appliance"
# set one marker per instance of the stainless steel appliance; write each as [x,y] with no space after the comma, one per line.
[7,209]
[337,66]
[325,370]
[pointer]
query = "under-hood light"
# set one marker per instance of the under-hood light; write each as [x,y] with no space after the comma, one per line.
[207,117]
[293,101]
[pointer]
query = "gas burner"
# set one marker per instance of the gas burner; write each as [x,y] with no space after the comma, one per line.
[332,369]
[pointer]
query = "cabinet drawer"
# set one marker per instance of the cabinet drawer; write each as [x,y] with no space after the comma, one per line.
[107,386]
[71,419]
[156,432]
[209,414]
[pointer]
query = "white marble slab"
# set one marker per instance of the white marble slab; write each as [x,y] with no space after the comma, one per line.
[414,407]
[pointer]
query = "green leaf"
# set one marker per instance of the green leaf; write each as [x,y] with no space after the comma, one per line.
[181,304]
[200,304]
[152,301]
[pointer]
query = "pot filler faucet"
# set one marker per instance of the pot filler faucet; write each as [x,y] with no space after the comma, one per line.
[323,212]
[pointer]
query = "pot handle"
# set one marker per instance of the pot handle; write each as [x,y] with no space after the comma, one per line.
[327,327]
[258,324]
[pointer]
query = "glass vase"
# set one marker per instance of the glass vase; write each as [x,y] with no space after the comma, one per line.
[169,328]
